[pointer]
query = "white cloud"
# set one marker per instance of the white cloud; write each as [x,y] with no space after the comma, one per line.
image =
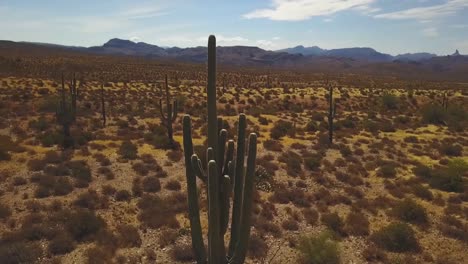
[328,20]
[135,39]
[450,7]
[296,10]
[276,38]
[141,12]
[430,32]
[226,41]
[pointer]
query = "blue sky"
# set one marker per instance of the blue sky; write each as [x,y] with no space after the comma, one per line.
[390,26]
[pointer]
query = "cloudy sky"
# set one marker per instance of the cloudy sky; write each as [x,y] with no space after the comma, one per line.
[391,26]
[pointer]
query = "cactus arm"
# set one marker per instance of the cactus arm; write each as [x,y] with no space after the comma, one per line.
[240,251]
[221,149]
[214,242]
[174,110]
[238,185]
[225,206]
[194,215]
[229,157]
[211,96]
[197,166]
[210,154]
[163,117]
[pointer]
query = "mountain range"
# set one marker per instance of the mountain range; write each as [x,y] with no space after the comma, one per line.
[245,53]
[310,59]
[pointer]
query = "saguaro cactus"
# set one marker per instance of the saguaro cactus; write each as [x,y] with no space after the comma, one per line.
[331,113]
[65,113]
[73,96]
[223,172]
[103,106]
[171,116]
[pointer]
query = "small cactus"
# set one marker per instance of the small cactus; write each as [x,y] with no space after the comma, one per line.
[223,172]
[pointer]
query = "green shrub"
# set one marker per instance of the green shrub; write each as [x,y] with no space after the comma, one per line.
[84,223]
[434,114]
[281,129]
[312,162]
[321,249]
[396,237]
[80,170]
[128,150]
[388,170]
[450,179]
[390,101]
[451,149]
[128,236]
[422,171]
[410,211]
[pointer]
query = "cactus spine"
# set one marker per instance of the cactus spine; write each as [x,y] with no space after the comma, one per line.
[66,112]
[171,116]
[331,113]
[223,171]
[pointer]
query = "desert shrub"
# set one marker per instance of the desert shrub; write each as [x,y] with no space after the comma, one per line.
[17,181]
[434,114]
[281,128]
[182,252]
[410,211]
[128,236]
[290,224]
[4,155]
[312,126]
[173,185]
[128,150]
[387,170]
[321,249]
[123,195]
[99,254]
[450,179]
[374,254]
[36,164]
[80,170]
[390,101]
[156,212]
[357,224]
[451,149]
[422,171]
[20,252]
[84,223]
[312,162]
[5,211]
[263,121]
[39,124]
[151,184]
[140,168]
[396,237]
[167,237]
[422,192]
[333,221]
[293,162]
[310,215]
[257,247]
[272,145]
[61,244]
[90,200]
[452,227]
[175,155]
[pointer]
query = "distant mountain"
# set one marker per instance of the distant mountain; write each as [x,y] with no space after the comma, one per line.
[415,56]
[367,54]
[304,51]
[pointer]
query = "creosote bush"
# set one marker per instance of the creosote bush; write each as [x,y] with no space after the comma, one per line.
[128,150]
[410,211]
[319,249]
[396,237]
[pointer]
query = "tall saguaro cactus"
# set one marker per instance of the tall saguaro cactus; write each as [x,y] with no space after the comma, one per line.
[103,106]
[170,117]
[223,172]
[331,113]
[66,112]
